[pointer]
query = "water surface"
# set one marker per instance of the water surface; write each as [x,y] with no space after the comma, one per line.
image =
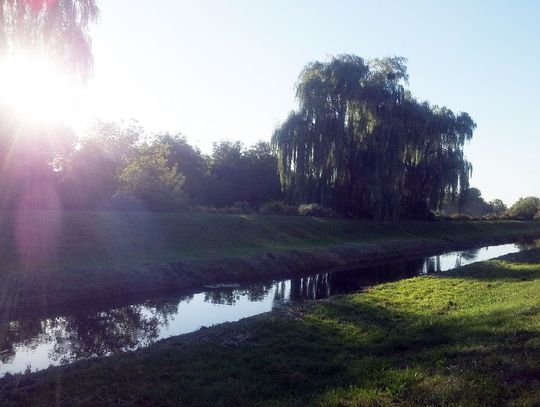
[35,343]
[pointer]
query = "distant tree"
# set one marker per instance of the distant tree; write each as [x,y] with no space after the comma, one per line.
[473,204]
[239,174]
[148,178]
[226,174]
[497,206]
[89,174]
[118,166]
[189,161]
[261,175]
[525,208]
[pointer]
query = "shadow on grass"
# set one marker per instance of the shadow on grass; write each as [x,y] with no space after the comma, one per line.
[341,352]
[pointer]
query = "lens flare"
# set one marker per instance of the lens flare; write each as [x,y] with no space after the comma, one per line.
[37,89]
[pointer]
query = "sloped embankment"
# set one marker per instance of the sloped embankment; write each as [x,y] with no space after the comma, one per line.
[66,258]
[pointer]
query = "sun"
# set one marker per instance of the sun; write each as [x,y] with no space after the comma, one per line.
[38,90]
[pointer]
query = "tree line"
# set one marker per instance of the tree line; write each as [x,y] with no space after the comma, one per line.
[474,206]
[359,145]
[119,166]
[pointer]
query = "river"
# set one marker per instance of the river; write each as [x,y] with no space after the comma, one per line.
[35,343]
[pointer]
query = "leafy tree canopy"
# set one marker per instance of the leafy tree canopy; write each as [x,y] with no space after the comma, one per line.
[58,28]
[360,143]
[526,208]
[497,206]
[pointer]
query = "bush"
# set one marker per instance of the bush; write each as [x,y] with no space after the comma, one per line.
[278,208]
[238,208]
[525,208]
[460,216]
[228,210]
[439,215]
[314,209]
[492,217]
[243,206]
[150,179]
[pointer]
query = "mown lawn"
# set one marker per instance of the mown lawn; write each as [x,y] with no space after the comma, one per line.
[469,337]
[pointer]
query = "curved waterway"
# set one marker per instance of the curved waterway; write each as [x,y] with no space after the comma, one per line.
[35,343]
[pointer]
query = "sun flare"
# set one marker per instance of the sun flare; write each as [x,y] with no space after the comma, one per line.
[38,90]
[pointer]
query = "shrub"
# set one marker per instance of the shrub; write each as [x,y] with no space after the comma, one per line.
[229,210]
[492,217]
[149,178]
[439,215]
[243,206]
[460,216]
[525,208]
[314,209]
[278,208]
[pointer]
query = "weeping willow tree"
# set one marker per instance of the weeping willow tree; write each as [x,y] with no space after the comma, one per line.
[38,37]
[58,28]
[360,143]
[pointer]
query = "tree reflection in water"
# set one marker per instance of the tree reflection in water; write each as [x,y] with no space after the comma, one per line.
[280,290]
[87,334]
[103,333]
[230,296]
[92,334]
[19,333]
[436,264]
[324,285]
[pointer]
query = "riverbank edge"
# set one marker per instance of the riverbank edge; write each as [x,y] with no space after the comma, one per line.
[232,337]
[52,291]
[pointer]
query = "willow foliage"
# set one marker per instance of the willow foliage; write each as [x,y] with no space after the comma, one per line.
[59,28]
[360,143]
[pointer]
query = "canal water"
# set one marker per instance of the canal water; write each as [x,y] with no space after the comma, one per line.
[36,343]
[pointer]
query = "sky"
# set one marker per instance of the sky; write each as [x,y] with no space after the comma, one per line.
[225,70]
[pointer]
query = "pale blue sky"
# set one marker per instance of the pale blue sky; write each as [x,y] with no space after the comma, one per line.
[218,70]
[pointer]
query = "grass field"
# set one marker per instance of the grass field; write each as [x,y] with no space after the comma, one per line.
[469,337]
[51,258]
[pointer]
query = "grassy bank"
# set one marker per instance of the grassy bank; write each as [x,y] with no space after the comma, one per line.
[52,258]
[467,337]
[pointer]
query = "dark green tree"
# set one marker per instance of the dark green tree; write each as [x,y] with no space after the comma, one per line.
[497,207]
[360,143]
[238,174]
[224,185]
[261,178]
[189,161]
[148,178]
[89,174]
[471,203]
[525,208]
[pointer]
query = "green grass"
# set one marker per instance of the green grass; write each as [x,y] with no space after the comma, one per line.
[51,258]
[469,337]
[96,239]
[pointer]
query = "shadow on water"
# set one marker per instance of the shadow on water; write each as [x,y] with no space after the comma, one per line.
[37,343]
